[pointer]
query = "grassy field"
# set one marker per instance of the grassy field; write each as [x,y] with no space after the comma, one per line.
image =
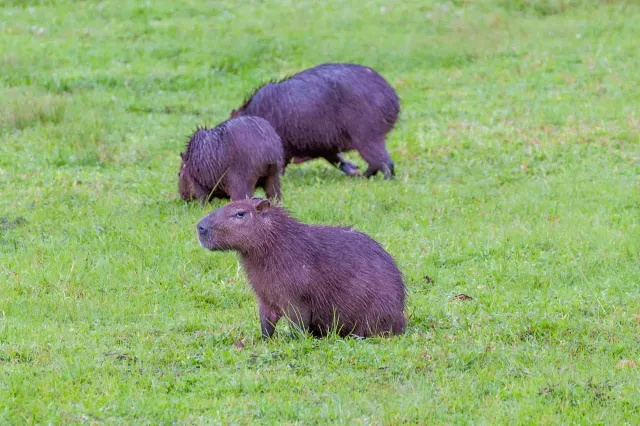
[518,161]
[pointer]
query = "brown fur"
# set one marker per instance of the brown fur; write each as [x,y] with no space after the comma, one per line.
[329,109]
[231,160]
[321,278]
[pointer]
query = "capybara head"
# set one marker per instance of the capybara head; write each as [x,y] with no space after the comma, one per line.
[240,225]
[185,182]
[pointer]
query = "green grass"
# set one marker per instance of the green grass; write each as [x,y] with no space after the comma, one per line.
[518,160]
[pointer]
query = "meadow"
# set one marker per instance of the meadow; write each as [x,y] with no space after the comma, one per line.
[518,185]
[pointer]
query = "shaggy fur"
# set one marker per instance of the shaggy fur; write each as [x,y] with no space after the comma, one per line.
[230,160]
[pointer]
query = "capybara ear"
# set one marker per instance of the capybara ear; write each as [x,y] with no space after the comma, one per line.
[182,156]
[235,113]
[263,206]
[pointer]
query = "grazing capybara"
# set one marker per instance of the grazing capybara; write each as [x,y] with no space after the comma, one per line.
[331,108]
[321,278]
[231,160]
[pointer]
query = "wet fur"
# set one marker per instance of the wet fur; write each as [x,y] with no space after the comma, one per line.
[329,109]
[316,276]
[231,160]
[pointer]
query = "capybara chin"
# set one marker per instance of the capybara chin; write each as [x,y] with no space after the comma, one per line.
[320,278]
[328,109]
[230,160]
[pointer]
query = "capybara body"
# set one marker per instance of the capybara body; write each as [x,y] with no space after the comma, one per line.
[321,278]
[331,108]
[231,160]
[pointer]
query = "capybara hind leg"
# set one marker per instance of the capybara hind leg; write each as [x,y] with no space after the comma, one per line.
[376,155]
[347,167]
[391,169]
[399,325]
[317,331]
[272,184]
[299,317]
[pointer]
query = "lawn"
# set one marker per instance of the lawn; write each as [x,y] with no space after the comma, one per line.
[518,184]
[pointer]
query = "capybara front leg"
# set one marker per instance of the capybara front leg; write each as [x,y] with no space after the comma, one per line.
[239,188]
[268,320]
[272,184]
[347,167]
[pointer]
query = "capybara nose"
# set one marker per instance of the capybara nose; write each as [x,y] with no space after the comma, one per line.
[201,229]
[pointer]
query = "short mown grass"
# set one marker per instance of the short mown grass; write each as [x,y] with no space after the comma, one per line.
[518,161]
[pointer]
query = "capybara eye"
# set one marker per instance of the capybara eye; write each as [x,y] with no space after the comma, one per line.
[240,215]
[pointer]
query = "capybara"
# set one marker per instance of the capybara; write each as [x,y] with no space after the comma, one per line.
[321,278]
[231,160]
[331,108]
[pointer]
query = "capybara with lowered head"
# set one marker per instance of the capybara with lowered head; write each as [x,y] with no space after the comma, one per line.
[231,160]
[320,278]
[331,108]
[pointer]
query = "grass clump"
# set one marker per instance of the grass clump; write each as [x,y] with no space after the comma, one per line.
[23,108]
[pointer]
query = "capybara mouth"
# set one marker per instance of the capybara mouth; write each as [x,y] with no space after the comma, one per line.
[207,242]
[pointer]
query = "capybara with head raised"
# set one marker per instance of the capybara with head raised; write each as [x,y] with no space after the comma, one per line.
[321,278]
[331,108]
[230,160]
